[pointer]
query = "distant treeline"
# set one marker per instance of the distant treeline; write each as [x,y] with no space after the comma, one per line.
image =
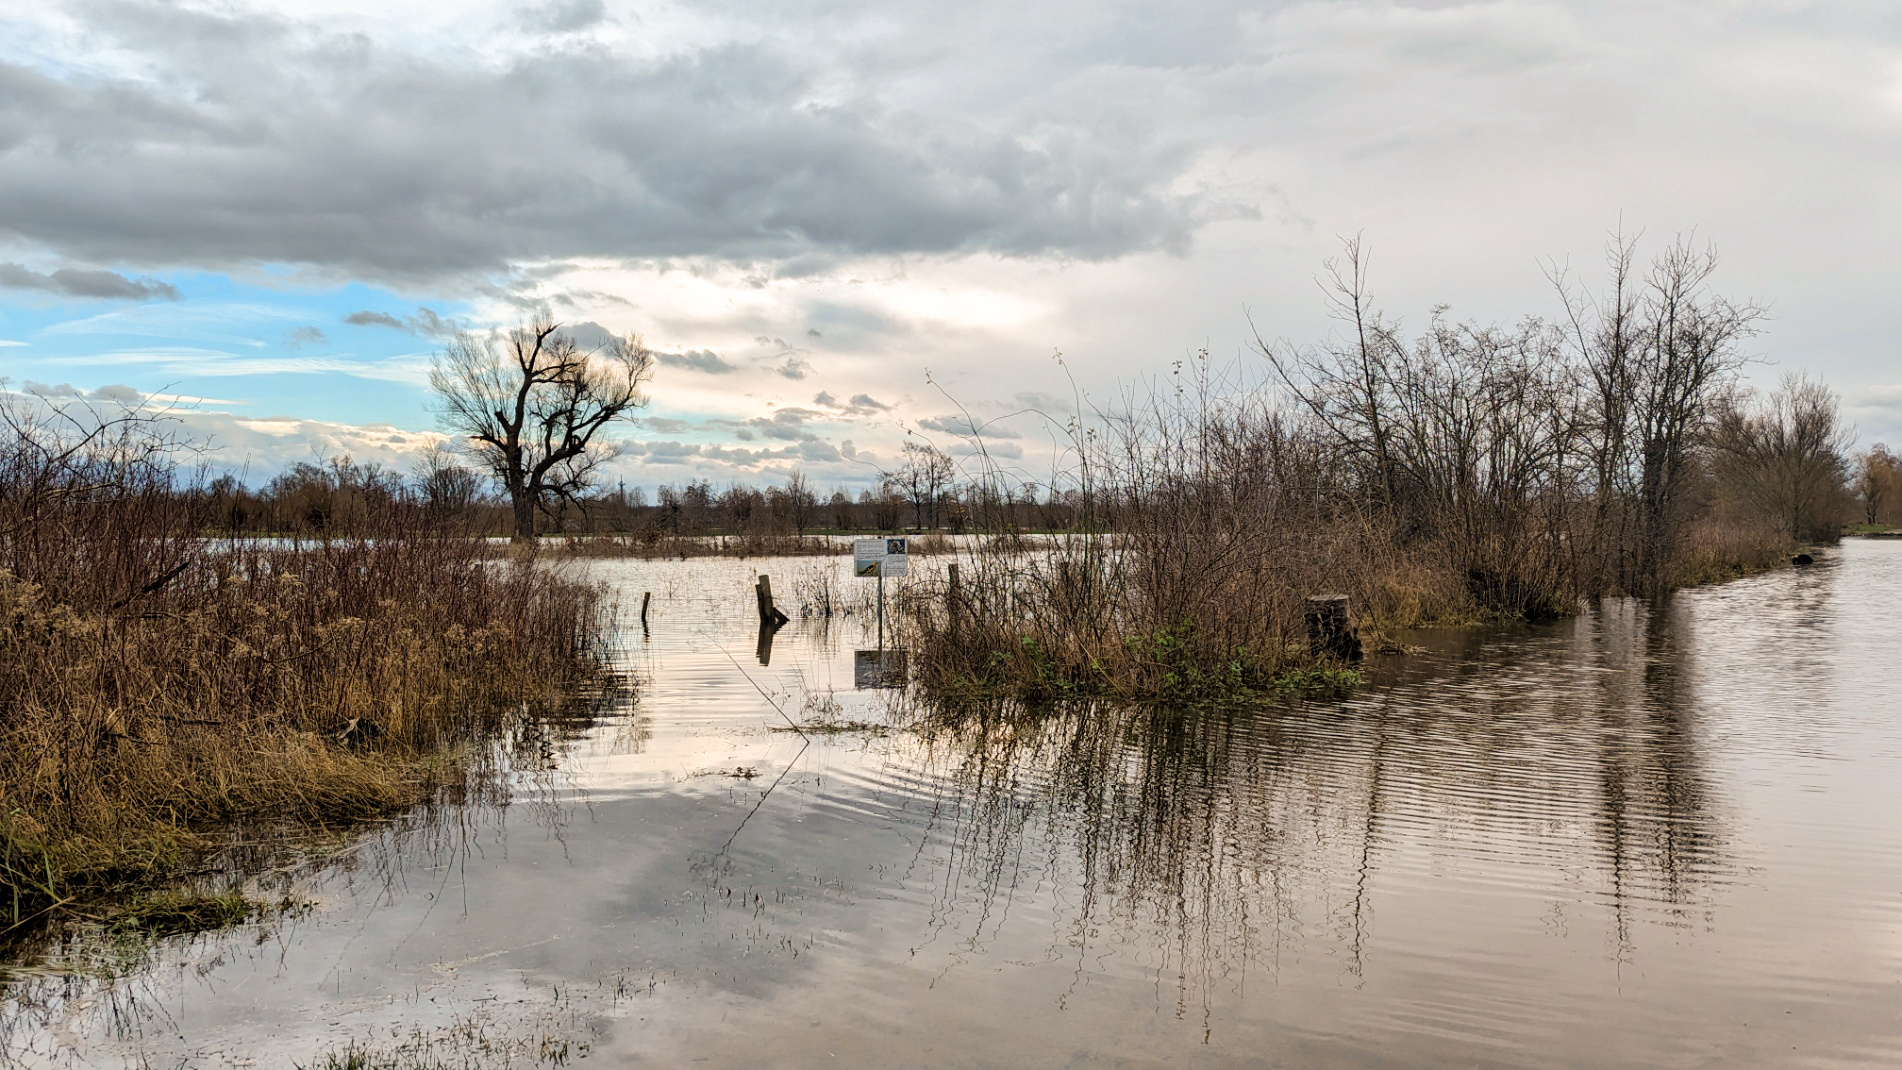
[339,495]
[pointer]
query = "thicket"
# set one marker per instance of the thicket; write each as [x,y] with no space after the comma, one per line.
[1471,471]
[156,684]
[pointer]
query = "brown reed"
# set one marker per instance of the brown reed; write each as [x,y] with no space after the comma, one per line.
[155,685]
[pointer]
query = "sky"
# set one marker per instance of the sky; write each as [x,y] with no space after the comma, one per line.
[844,224]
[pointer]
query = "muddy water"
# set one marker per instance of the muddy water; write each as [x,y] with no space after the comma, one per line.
[1656,838]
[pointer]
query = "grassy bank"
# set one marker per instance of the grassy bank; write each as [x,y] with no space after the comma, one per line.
[156,687]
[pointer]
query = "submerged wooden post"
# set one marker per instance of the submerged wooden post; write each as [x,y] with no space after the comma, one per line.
[1331,632]
[769,614]
[645,597]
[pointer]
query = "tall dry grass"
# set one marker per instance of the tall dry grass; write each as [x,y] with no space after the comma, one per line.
[154,684]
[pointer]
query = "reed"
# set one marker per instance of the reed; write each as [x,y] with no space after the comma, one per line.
[155,685]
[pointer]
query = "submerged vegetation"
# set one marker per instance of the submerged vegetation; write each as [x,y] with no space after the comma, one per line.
[156,685]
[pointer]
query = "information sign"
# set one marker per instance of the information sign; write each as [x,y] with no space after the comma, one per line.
[879,558]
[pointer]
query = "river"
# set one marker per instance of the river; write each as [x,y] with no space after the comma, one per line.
[1643,836]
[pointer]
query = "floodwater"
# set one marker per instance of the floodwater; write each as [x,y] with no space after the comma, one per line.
[1667,837]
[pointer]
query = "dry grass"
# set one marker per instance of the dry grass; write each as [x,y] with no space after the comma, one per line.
[157,686]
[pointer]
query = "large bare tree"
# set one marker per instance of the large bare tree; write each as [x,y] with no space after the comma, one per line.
[533,406]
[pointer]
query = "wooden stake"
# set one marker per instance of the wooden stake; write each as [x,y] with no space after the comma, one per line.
[769,614]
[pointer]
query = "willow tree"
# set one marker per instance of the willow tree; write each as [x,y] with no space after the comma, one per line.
[534,406]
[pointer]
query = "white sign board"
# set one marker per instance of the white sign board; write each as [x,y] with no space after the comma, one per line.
[873,558]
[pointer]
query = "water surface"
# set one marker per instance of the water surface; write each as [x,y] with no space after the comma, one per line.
[1659,836]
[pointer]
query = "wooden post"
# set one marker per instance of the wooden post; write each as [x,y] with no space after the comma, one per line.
[769,614]
[645,597]
[1331,631]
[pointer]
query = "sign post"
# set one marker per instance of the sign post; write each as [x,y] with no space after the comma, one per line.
[877,559]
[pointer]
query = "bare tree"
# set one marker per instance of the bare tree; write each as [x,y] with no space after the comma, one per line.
[1660,352]
[1785,457]
[533,405]
[844,517]
[926,472]
[801,502]
[1878,482]
[446,488]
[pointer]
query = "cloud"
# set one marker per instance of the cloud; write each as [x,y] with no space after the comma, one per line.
[242,139]
[80,282]
[299,337]
[375,319]
[425,322]
[699,360]
[795,367]
[564,16]
[963,427]
[859,405]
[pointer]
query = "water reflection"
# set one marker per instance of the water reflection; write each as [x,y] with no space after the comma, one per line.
[1228,836]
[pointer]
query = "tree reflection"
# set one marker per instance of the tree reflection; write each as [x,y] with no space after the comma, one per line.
[1208,842]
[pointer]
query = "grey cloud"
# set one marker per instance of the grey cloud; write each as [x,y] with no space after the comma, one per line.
[860,405]
[117,393]
[795,367]
[246,142]
[82,282]
[426,322]
[588,335]
[664,452]
[787,425]
[565,16]
[963,427]
[299,337]
[699,360]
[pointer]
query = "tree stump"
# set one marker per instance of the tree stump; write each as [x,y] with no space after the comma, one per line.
[1331,632]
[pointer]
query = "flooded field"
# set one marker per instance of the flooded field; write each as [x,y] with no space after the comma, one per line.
[1667,838]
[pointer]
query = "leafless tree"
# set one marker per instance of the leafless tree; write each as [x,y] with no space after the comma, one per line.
[923,476]
[1878,482]
[445,487]
[801,502]
[1347,384]
[1786,457]
[1660,352]
[1468,435]
[534,407]
[844,517]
